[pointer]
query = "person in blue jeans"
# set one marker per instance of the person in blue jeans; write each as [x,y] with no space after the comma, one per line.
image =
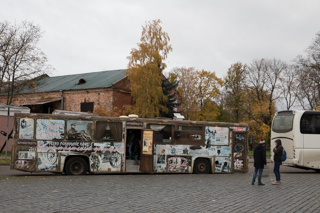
[130,139]
[277,150]
[260,161]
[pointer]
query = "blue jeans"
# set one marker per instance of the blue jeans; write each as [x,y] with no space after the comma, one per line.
[130,152]
[276,170]
[255,174]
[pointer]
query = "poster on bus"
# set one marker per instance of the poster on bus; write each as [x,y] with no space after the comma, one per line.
[223,165]
[26,128]
[48,129]
[147,142]
[79,130]
[216,136]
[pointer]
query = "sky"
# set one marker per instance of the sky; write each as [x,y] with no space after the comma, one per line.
[81,36]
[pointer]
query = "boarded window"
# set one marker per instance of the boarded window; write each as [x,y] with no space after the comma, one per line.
[87,107]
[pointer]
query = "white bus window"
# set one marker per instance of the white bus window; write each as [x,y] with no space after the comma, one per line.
[79,130]
[283,122]
[108,131]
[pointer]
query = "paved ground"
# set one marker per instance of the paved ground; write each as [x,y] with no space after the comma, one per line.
[22,192]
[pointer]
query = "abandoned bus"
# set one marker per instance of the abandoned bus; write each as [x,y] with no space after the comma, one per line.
[299,132]
[81,144]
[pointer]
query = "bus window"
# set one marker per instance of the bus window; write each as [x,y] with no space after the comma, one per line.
[162,133]
[79,130]
[48,129]
[317,124]
[26,126]
[283,122]
[108,131]
[306,124]
[190,135]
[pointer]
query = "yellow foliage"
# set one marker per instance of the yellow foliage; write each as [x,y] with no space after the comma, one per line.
[102,111]
[145,70]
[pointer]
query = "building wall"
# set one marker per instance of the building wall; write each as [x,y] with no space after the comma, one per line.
[73,99]
[3,127]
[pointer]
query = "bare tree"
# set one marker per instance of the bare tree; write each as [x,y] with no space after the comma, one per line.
[263,81]
[20,58]
[309,75]
[288,86]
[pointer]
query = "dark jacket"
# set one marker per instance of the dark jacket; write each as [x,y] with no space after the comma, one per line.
[259,156]
[278,150]
[136,147]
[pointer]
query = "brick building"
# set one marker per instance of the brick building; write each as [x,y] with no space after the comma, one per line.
[78,92]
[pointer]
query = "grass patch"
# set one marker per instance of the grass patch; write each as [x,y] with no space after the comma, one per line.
[8,160]
[3,154]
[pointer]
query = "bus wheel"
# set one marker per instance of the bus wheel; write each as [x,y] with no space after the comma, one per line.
[76,166]
[201,166]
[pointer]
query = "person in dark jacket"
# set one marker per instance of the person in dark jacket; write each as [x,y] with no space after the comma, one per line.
[260,161]
[136,151]
[277,150]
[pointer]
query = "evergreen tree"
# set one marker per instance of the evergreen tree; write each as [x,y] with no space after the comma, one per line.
[169,90]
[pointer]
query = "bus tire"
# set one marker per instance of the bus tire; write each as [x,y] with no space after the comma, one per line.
[201,166]
[76,166]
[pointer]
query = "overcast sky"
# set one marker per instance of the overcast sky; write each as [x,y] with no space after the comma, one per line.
[94,35]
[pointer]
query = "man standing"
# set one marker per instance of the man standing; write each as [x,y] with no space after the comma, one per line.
[277,150]
[260,161]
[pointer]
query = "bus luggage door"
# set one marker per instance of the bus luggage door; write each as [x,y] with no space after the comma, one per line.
[146,157]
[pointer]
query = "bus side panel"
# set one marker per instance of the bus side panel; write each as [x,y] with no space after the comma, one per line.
[311,151]
[311,141]
[311,158]
[24,158]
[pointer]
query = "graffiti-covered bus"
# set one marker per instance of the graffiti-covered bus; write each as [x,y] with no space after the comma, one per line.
[83,144]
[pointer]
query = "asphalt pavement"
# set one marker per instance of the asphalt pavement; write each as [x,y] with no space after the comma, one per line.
[26,192]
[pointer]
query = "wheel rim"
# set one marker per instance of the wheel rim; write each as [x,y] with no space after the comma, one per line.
[202,167]
[76,168]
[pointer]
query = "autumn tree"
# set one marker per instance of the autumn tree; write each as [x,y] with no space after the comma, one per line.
[263,77]
[145,70]
[234,84]
[20,58]
[187,78]
[207,91]
[199,90]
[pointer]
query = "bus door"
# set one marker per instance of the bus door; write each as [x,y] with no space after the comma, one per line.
[133,144]
[146,161]
[239,150]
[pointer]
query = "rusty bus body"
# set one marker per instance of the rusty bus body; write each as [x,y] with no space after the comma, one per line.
[81,144]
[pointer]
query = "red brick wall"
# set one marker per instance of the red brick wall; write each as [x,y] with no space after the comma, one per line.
[117,96]
[73,99]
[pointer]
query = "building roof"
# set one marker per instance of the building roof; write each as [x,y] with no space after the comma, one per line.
[92,80]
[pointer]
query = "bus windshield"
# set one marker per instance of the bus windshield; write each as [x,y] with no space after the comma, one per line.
[283,121]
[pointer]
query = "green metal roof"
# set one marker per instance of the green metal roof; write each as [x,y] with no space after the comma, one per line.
[93,80]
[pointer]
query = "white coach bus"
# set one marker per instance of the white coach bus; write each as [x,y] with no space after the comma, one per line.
[299,132]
